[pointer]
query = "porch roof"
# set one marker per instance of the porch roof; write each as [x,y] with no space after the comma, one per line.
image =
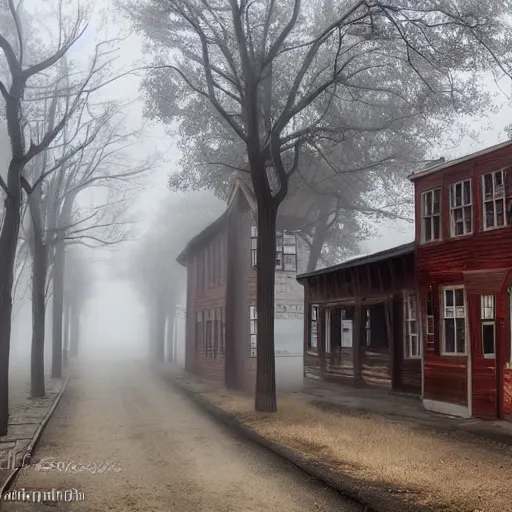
[394,252]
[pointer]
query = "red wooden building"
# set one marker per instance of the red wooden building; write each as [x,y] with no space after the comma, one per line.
[464,273]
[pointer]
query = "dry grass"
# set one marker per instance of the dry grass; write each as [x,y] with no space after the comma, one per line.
[438,471]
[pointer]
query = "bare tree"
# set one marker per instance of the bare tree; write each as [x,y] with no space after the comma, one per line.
[23,101]
[230,51]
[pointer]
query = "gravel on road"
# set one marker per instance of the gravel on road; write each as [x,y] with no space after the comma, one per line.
[164,453]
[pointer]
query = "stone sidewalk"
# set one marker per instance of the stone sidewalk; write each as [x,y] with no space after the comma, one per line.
[26,419]
[401,408]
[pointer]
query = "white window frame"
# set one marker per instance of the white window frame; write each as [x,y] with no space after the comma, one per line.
[327,335]
[254,246]
[488,320]
[253,329]
[314,322]
[463,207]
[408,320]
[493,200]
[285,249]
[430,217]
[444,317]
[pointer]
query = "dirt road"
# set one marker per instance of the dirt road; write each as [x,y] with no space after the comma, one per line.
[171,456]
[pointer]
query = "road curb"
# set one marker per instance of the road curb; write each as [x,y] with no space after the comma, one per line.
[35,439]
[232,422]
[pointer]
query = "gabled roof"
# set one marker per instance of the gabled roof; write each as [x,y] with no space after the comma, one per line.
[394,252]
[451,163]
[211,229]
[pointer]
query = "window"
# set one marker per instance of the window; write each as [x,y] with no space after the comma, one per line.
[412,345]
[254,245]
[493,190]
[327,335]
[210,317]
[431,215]
[368,329]
[488,326]
[253,319]
[454,321]
[286,252]
[313,342]
[460,208]
[200,340]
[222,348]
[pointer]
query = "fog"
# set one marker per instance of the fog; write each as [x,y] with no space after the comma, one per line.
[114,320]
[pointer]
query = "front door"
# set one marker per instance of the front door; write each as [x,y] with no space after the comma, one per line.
[485,335]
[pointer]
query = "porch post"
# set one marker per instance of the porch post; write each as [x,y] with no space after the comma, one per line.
[321,339]
[356,333]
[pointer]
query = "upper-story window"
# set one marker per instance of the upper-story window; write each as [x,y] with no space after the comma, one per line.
[461,210]
[286,250]
[431,215]
[493,190]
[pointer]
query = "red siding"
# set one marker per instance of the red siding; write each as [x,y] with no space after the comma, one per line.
[452,261]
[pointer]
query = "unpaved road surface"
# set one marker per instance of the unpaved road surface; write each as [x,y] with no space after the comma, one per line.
[172,456]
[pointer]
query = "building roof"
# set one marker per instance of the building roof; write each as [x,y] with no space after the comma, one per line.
[445,165]
[200,238]
[394,252]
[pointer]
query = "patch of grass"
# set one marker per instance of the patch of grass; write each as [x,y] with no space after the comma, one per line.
[437,472]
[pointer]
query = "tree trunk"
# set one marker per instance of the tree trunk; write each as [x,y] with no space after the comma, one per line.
[74,335]
[160,319]
[170,337]
[65,353]
[58,308]
[265,399]
[321,229]
[8,243]
[39,269]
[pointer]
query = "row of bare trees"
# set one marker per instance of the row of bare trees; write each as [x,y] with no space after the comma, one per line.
[335,98]
[66,141]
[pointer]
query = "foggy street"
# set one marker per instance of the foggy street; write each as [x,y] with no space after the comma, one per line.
[171,456]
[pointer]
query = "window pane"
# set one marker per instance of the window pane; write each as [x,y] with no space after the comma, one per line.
[412,308]
[427,224]
[430,309]
[498,184]
[437,223]
[467,192]
[436,207]
[489,214]
[459,296]
[253,326]
[415,349]
[290,262]
[458,194]
[411,327]
[460,325]
[500,213]
[430,325]
[449,336]
[487,306]
[254,243]
[289,239]
[252,312]
[254,341]
[289,249]
[468,219]
[254,231]
[448,298]
[279,261]
[488,188]
[488,339]
[427,203]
